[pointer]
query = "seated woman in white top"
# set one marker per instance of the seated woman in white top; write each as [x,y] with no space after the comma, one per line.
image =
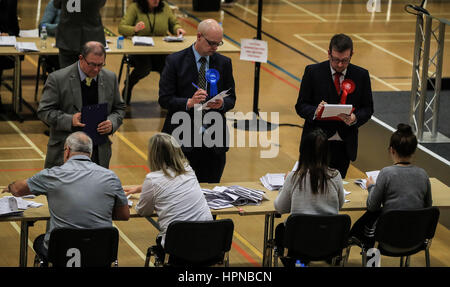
[314,188]
[171,188]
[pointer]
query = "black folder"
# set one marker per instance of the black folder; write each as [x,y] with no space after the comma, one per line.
[92,116]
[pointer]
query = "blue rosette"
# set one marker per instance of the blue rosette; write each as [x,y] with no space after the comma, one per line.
[212,76]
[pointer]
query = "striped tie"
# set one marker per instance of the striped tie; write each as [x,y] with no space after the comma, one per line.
[201,74]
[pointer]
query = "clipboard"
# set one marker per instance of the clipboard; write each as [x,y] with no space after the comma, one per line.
[92,116]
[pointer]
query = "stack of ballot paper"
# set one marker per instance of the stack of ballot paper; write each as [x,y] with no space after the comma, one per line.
[273,181]
[363,182]
[26,47]
[8,41]
[13,206]
[224,197]
[174,38]
[142,41]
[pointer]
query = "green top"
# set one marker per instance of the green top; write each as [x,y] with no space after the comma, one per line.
[161,22]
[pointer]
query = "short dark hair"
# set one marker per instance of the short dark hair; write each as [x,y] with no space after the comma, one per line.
[88,48]
[341,43]
[403,140]
[143,6]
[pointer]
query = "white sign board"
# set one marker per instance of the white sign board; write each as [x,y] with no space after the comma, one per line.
[254,50]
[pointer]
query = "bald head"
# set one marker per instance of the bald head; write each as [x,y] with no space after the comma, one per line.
[209,25]
[93,47]
[209,37]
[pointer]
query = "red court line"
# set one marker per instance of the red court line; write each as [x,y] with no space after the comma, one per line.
[280,78]
[188,22]
[245,254]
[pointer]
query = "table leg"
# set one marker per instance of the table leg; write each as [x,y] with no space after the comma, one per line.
[24,225]
[16,97]
[268,240]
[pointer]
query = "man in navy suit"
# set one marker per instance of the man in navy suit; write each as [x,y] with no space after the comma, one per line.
[205,145]
[322,84]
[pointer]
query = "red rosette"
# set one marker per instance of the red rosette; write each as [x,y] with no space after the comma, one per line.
[348,87]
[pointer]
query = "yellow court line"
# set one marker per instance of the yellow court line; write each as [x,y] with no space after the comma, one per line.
[131,244]
[132,145]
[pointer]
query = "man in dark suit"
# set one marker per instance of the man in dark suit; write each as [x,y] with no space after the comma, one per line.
[80,22]
[205,145]
[322,84]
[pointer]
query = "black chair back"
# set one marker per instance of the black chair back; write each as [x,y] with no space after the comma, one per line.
[83,247]
[198,243]
[316,237]
[405,231]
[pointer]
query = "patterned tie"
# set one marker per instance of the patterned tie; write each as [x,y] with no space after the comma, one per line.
[337,82]
[88,81]
[201,74]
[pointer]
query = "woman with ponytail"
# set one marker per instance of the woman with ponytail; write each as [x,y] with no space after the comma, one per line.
[399,186]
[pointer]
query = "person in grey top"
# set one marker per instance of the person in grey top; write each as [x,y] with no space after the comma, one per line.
[313,188]
[80,193]
[400,186]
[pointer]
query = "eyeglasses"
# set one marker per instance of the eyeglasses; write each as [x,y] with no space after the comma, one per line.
[337,60]
[212,43]
[95,65]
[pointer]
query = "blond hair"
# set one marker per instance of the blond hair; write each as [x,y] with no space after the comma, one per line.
[165,153]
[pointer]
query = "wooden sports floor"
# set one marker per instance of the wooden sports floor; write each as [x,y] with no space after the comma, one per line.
[298,33]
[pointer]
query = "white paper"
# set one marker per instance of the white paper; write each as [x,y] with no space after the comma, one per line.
[7,40]
[254,50]
[273,181]
[330,110]
[373,174]
[143,41]
[221,95]
[8,205]
[29,33]
[26,47]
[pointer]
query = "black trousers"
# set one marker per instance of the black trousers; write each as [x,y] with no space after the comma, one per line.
[207,164]
[67,57]
[338,157]
[364,228]
[143,65]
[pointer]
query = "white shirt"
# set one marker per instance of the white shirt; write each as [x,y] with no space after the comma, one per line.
[173,198]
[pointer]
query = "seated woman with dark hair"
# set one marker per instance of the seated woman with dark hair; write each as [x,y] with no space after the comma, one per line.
[171,189]
[399,186]
[147,18]
[314,188]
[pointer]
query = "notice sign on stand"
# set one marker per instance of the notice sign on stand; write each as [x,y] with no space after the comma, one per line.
[254,50]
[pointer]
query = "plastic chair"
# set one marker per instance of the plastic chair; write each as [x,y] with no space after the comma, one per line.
[401,233]
[70,247]
[196,243]
[313,238]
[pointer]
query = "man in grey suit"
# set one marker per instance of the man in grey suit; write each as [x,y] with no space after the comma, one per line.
[66,91]
[80,22]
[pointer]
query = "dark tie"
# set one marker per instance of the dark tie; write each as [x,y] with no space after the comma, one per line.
[337,82]
[201,74]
